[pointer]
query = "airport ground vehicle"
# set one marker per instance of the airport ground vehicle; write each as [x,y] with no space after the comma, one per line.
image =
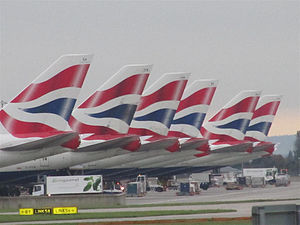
[233,186]
[189,188]
[111,187]
[282,178]
[229,177]
[267,173]
[135,189]
[138,188]
[143,180]
[153,184]
[58,185]
[203,178]
[258,182]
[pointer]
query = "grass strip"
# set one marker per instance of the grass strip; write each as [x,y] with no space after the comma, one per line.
[19,218]
[208,203]
[178,204]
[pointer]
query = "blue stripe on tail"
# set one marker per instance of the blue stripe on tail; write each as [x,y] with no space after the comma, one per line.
[62,107]
[263,127]
[164,116]
[123,112]
[194,119]
[240,124]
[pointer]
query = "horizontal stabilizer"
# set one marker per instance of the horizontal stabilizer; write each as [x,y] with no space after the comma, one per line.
[162,143]
[100,144]
[193,143]
[242,147]
[54,140]
[264,146]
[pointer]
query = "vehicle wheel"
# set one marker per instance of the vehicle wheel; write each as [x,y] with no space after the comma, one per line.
[159,189]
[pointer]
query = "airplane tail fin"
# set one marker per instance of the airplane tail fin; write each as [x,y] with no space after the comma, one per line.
[46,104]
[263,117]
[231,122]
[192,109]
[158,105]
[110,109]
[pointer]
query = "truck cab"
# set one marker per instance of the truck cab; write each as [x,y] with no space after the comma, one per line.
[38,190]
[143,180]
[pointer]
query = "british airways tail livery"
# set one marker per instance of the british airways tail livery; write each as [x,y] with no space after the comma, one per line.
[185,126]
[226,129]
[192,108]
[156,110]
[191,112]
[262,118]
[104,120]
[46,104]
[158,105]
[110,109]
[231,122]
[256,133]
[261,122]
[36,119]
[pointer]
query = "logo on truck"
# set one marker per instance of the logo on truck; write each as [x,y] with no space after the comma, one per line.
[92,183]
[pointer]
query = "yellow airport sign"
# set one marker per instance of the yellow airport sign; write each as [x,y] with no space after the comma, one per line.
[55,210]
[42,211]
[65,210]
[26,211]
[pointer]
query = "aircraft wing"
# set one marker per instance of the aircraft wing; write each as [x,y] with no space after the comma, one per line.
[54,140]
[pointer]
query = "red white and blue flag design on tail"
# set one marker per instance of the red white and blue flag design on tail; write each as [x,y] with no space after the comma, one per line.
[261,122]
[192,109]
[110,109]
[155,113]
[190,114]
[44,107]
[231,122]
[263,117]
[158,105]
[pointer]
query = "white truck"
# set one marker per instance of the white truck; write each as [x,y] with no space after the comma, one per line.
[143,180]
[61,185]
[267,173]
[154,185]
[137,188]
[282,178]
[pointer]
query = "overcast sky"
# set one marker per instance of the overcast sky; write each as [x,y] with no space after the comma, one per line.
[245,45]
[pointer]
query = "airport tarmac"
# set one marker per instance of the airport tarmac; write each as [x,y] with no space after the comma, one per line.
[211,195]
[220,194]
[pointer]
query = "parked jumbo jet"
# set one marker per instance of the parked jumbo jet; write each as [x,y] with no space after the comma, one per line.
[229,126]
[162,97]
[257,133]
[156,111]
[185,126]
[153,117]
[102,120]
[34,124]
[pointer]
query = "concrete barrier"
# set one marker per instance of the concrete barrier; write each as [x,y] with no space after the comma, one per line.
[275,215]
[81,201]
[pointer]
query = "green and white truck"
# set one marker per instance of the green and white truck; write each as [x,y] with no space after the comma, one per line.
[64,185]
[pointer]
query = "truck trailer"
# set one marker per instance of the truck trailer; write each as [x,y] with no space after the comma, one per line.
[267,173]
[62,185]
